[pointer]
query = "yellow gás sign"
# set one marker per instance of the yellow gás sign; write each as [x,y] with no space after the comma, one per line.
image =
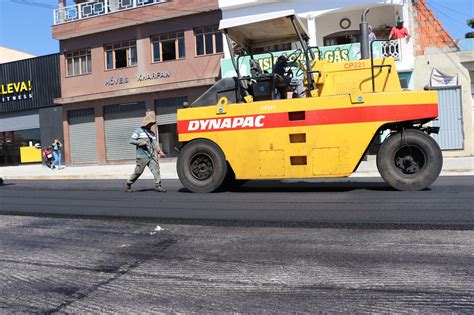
[20,90]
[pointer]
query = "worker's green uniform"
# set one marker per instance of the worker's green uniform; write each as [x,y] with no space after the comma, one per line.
[146,153]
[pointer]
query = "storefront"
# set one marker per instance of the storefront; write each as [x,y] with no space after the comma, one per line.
[111,79]
[27,113]
[99,131]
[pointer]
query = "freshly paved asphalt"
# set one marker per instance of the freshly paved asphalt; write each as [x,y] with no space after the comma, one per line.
[336,246]
[449,201]
[125,266]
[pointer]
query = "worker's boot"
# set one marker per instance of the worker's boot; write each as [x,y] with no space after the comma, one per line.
[158,188]
[127,187]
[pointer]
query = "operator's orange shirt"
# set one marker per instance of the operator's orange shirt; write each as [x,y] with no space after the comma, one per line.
[397,33]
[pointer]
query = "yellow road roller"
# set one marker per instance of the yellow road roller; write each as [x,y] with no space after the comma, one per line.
[247,128]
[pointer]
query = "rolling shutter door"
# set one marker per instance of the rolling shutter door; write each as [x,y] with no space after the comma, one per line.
[166,108]
[451,134]
[120,122]
[82,136]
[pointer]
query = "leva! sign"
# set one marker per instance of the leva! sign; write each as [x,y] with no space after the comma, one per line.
[16,91]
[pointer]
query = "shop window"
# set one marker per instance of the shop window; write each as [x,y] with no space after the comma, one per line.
[78,62]
[12,141]
[208,41]
[342,38]
[121,55]
[168,47]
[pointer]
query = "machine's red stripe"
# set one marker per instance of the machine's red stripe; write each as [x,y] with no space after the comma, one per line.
[331,117]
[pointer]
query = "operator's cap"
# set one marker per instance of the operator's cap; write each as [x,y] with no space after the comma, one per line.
[148,120]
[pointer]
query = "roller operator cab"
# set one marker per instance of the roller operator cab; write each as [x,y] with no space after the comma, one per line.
[243,129]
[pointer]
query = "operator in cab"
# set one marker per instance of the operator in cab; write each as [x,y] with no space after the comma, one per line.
[286,84]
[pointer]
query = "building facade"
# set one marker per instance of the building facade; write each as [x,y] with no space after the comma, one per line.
[122,59]
[10,55]
[438,59]
[333,26]
[28,115]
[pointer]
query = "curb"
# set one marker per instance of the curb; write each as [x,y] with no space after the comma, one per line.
[175,176]
[95,176]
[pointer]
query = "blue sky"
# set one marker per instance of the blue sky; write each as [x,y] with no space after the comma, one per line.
[28,28]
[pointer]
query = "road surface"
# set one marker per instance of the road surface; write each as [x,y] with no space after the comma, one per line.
[449,201]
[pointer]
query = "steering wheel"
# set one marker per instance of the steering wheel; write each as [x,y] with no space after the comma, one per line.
[294,57]
[301,68]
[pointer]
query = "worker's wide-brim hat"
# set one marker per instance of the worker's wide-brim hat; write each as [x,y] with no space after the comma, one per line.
[148,120]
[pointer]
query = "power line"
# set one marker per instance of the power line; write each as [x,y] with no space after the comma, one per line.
[447,16]
[448,8]
[34,4]
[165,21]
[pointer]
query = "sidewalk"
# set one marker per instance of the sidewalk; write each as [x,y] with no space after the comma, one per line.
[451,167]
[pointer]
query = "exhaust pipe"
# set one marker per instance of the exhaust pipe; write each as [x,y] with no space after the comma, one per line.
[364,36]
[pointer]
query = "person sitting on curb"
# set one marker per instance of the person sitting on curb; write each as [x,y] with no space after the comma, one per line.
[147,153]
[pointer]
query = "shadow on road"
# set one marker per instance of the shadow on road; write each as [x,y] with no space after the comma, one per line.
[297,187]
[7,184]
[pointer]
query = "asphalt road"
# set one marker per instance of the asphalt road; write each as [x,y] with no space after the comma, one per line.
[449,201]
[78,266]
[348,246]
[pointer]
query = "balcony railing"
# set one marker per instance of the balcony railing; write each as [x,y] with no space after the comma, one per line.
[402,51]
[94,8]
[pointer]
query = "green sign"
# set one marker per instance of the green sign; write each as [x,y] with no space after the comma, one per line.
[339,53]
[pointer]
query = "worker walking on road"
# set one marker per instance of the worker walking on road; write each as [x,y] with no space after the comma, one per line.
[148,151]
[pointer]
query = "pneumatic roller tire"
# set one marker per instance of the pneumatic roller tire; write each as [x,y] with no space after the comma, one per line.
[409,160]
[201,166]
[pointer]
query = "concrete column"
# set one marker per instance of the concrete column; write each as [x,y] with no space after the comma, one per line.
[66,143]
[189,44]
[312,30]
[226,47]
[100,134]
[408,53]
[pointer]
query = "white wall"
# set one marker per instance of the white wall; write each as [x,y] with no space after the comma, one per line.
[329,23]
[234,8]
[10,55]
[449,64]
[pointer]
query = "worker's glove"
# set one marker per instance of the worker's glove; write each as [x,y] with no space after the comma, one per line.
[142,143]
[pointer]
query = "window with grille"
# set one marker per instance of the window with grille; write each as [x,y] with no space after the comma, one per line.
[168,47]
[78,62]
[208,41]
[121,55]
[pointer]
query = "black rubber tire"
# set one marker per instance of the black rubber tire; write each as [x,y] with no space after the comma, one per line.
[409,160]
[201,166]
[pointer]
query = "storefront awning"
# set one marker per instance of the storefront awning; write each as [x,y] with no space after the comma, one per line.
[19,121]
